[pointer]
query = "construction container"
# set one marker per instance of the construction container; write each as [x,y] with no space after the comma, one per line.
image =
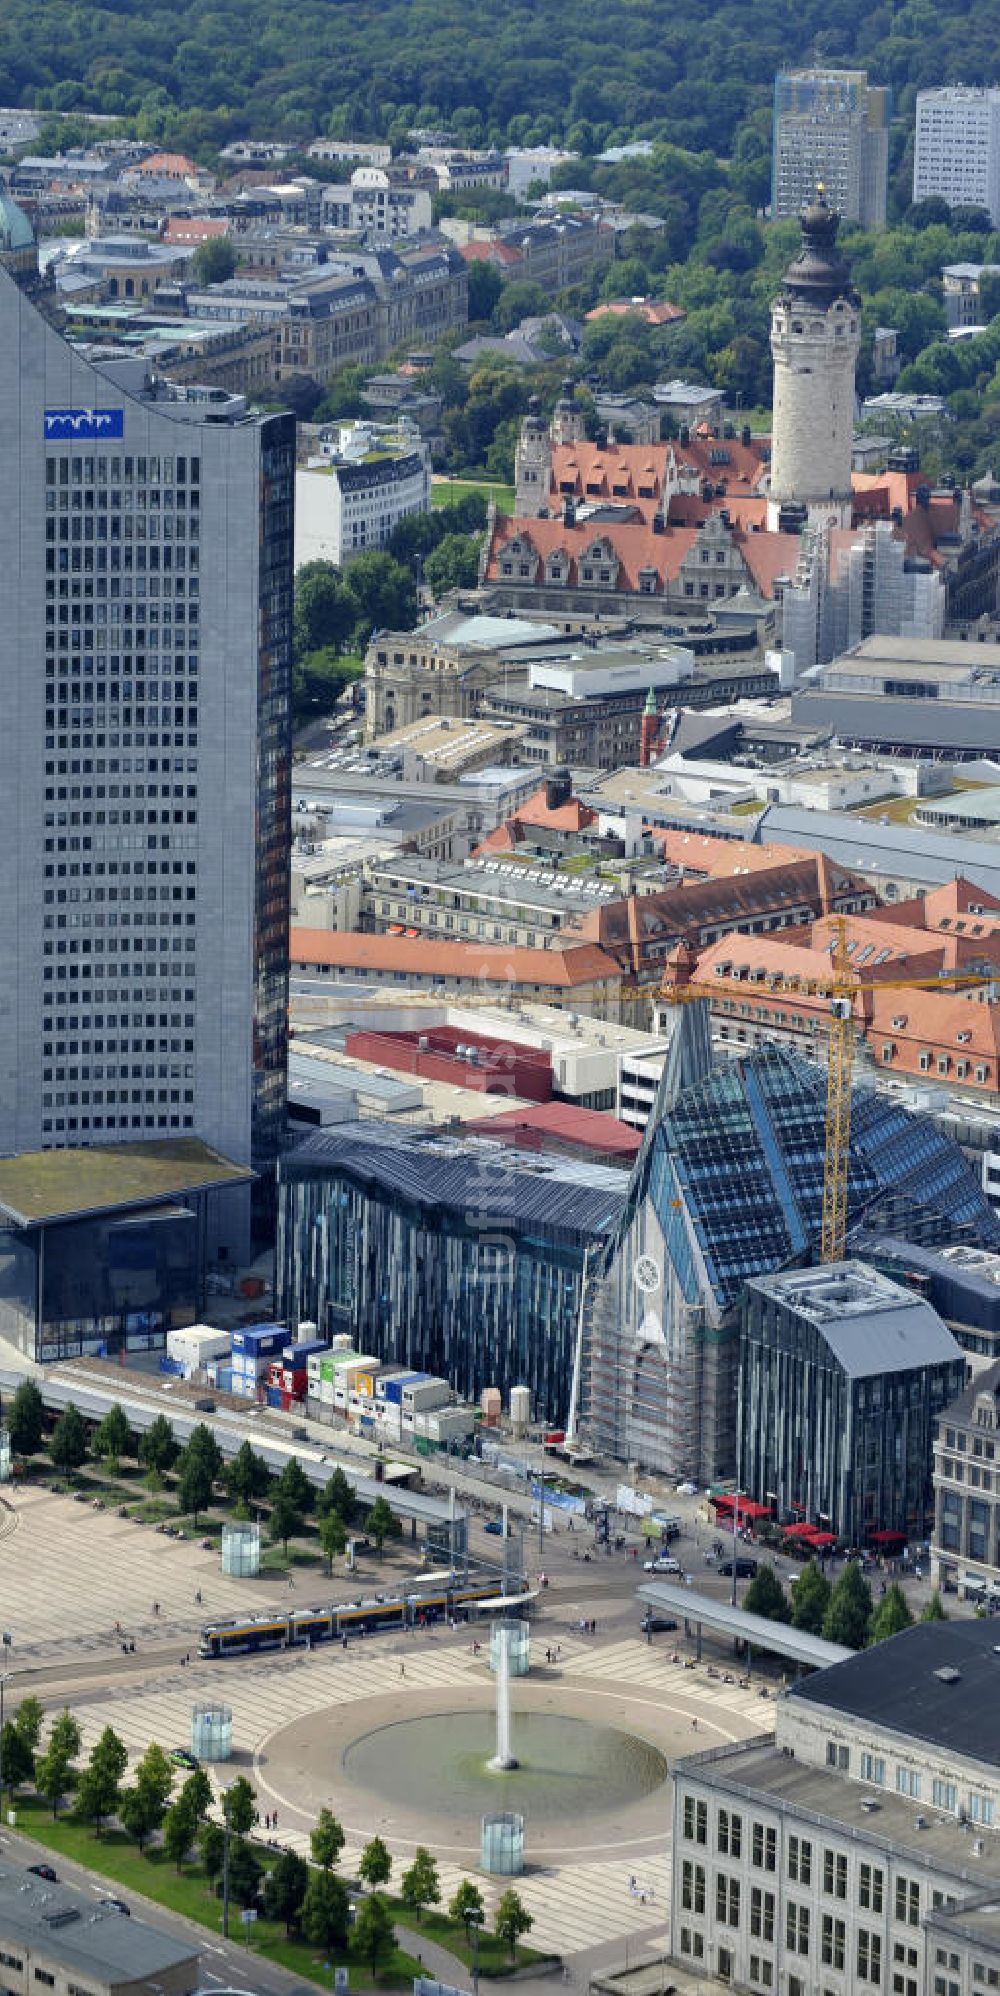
[197,1344]
[424,1394]
[490,1402]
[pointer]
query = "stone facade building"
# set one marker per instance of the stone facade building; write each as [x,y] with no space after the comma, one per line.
[815,339]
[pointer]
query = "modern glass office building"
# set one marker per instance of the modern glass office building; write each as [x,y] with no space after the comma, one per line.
[729,1186]
[145,656]
[444,1253]
[843,1376]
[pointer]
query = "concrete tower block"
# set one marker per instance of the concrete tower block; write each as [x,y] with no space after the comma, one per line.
[815,337]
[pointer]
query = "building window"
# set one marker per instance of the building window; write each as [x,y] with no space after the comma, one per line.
[869,1956]
[693,1887]
[836,1756]
[730,1833]
[727,1900]
[870,1882]
[764,1852]
[908,1783]
[800,1860]
[833,1941]
[872,1768]
[946,1796]
[835,1874]
[761,1914]
[797,1928]
[695,1820]
[981,1810]
[761,1971]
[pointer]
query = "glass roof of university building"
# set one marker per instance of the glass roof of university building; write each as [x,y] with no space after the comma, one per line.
[737,1160]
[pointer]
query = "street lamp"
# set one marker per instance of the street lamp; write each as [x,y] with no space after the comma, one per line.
[225,1864]
[7,1643]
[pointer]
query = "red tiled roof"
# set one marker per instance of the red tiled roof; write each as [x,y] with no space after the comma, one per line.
[189,229]
[422,956]
[567,1123]
[489,252]
[698,853]
[636,546]
[573,816]
[167,162]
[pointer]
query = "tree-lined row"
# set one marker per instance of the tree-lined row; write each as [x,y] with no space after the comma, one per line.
[844,1612]
[200,1471]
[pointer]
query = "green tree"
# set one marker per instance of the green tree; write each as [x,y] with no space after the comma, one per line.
[375,1863]
[68,1447]
[214,261]
[158,1447]
[286,1520]
[194,1484]
[325,610]
[203,1447]
[26,1419]
[383,1523]
[453,564]
[890,1615]
[850,1610]
[99,1786]
[28,1721]
[294,1483]
[150,1794]
[180,1827]
[467,1905]
[247,1476]
[326,1840]
[485,288]
[326,1911]
[810,1599]
[374,1935]
[196,1794]
[933,1610]
[766,1596]
[420,1885]
[211,1846]
[241,1806]
[512,1919]
[245,1871]
[385,594]
[285,1889]
[18,1759]
[112,1437]
[55,1773]
[332,1537]
[337,1495]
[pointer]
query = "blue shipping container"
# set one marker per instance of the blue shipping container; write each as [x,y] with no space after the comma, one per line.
[274,1396]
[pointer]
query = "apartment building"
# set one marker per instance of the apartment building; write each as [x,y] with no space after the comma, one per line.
[957,151]
[831,126]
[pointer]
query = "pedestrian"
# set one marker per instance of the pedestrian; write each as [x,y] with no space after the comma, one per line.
[402,1670]
[343,1639]
[274,1819]
[197,1595]
[694,1725]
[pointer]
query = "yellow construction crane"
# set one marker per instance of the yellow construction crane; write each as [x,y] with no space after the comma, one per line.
[840,988]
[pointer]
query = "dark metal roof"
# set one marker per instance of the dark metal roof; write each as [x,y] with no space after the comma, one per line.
[443,1172]
[778,1637]
[899,1684]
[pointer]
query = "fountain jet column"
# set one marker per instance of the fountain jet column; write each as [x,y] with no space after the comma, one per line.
[503,1760]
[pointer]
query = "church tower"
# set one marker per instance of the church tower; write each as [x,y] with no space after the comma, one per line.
[568,425]
[815,337]
[532,465]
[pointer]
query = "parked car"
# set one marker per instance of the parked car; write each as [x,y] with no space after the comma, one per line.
[657,1625]
[44,1871]
[116,1906]
[494,1526]
[663,1563]
[182,1758]
[745,1568]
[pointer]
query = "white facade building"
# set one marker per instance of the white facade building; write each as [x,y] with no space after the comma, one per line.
[815,337]
[352,498]
[857,1849]
[957,153]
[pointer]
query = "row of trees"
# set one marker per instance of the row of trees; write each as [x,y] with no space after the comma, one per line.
[309,1899]
[844,1612]
[199,1470]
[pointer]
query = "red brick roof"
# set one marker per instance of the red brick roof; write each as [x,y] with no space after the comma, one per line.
[565,1125]
[421,956]
[699,854]
[642,928]
[167,162]
[634,547]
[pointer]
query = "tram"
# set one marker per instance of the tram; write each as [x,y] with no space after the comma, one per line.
[300,1628]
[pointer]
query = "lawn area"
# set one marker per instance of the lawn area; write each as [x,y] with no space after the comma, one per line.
[494,1955]
[188,1893]
[448,491]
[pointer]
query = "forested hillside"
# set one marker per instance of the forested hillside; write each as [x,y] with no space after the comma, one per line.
[693,72]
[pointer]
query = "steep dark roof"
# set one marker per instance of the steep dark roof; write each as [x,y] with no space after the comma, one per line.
[899,1684]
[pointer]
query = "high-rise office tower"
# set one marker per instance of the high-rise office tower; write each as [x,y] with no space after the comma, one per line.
[957,151]
[815,337]
[830,125]
[145,657]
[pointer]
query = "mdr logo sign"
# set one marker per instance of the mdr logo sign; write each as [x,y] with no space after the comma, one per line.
[79,423]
